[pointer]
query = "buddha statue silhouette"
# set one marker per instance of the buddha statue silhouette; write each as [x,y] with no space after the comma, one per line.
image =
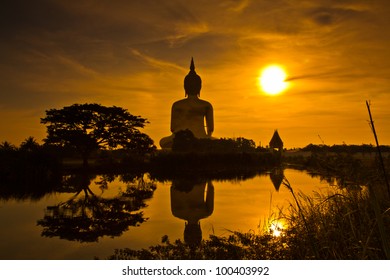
[191,113]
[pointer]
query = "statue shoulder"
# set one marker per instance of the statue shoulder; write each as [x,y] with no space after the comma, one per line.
[184,103]
[206,103]
[178,102]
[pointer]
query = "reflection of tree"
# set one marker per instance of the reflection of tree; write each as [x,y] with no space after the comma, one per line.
[87,217]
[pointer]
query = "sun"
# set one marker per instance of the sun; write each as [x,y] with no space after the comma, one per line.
[272,80]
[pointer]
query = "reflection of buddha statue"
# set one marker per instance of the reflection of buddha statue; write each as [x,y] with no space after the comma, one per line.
[192,201]
[191,113]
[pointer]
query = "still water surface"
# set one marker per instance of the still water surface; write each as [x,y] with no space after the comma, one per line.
[218,206]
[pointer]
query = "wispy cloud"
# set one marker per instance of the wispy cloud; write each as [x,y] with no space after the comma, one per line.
[154,62]
[186,32]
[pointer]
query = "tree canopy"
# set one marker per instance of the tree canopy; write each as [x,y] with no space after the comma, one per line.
[89,127]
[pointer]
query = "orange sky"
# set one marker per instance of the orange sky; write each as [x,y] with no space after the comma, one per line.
[135,54]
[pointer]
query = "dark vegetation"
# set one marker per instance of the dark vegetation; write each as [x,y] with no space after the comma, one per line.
[28,172]
[344,149]
[212,158]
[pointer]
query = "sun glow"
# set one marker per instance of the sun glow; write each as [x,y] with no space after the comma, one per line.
[276,228]
[272,80]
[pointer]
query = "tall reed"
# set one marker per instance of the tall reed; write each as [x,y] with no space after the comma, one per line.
[374,192]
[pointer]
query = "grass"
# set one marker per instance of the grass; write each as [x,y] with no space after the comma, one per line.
[334,226]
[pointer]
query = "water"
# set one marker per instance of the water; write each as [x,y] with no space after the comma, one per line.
[111,214]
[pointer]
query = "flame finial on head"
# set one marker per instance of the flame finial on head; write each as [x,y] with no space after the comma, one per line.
[192,66]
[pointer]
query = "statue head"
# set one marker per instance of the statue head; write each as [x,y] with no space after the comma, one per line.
[192,82]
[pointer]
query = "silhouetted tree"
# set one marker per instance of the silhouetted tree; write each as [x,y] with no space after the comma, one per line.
[89,127]
[7,146]
[29,145]
[245,145]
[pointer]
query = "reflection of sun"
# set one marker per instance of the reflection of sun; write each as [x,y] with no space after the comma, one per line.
[276,228]
[272,80]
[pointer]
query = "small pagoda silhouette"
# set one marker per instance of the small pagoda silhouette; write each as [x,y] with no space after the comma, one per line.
[276,143]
